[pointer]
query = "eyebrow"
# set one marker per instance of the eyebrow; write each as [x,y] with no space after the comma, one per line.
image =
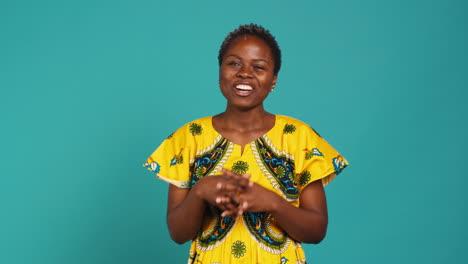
[240,58]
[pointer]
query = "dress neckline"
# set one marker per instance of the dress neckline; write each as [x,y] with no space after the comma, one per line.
[248,143]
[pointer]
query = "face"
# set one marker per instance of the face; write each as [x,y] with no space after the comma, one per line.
[246,73]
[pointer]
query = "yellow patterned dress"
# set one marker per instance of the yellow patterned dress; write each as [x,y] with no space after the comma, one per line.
[284,160]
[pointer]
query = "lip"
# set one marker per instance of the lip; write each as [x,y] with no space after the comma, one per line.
[243,92]
[243,83]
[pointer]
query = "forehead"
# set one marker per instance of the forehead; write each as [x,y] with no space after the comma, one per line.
[249,45]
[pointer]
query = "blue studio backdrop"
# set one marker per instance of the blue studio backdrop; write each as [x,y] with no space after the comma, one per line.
[88,89]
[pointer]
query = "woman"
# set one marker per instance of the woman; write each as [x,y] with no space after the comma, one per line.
[246,185]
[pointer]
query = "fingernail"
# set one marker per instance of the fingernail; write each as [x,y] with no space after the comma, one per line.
[245,205]
[219,186]
[251,183]
[218,200]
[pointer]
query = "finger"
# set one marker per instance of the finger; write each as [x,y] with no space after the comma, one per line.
[231,204]
[220,202]
[231,212]
[227,207]
[230,174]
[244,182]
[240,211]
[242,208]
[241,179]
[220,186]
[235,198]
[228,213]
[241,182]
[224,188]
[247,178]
[226,202]
[229,188]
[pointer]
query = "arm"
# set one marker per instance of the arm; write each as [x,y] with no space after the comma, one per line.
[184,204]
[307,224]
[186,207]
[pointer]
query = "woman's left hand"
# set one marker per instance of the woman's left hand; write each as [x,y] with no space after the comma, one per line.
[247,196]
[256,199]
[237,184]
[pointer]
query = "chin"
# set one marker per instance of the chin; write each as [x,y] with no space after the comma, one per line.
[245,106]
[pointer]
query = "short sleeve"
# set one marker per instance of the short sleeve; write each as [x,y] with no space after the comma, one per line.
[170,161]
[316,159]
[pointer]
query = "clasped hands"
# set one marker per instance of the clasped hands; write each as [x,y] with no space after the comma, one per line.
[234,194]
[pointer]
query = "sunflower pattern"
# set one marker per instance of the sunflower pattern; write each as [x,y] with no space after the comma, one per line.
[195,129]
[292,178]
[240,167]
[289,129]
[304,178]
[238,249]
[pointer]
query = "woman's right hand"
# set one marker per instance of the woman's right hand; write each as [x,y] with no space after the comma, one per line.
[220,190]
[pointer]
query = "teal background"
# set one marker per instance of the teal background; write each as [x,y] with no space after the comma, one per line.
[88,89]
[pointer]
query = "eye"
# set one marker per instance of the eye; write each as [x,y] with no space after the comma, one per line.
[233,63]
[259,68]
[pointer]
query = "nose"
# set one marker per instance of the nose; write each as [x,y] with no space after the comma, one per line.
[245,72]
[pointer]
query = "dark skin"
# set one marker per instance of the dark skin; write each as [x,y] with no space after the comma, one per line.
[246,78]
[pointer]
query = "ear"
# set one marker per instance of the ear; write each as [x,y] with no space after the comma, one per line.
[275,78]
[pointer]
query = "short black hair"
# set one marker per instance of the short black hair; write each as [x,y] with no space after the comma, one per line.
[258,31]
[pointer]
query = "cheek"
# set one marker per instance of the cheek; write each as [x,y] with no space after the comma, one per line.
[223,81]
[266,80]
[225,76]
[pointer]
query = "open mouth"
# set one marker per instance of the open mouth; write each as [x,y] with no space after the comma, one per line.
[243,89]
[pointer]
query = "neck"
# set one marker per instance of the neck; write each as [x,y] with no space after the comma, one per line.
[237,119]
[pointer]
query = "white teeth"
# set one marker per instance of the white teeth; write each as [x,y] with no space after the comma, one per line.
[244,87]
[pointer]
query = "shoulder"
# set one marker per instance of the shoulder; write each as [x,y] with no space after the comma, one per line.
[193,128]
[291,120]
[291,125]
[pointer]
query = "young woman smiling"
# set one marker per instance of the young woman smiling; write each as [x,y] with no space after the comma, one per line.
[246,186]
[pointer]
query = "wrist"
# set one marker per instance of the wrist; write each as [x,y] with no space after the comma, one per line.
[198,190]
[276,204]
